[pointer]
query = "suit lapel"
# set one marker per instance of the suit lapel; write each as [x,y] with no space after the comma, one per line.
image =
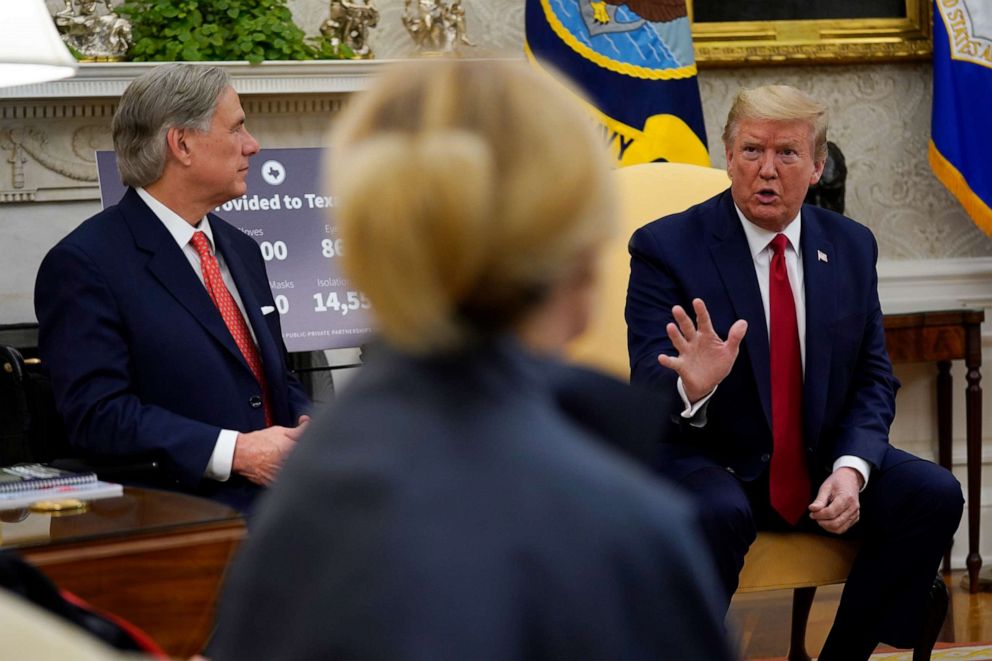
[169,266]
[733,260]
[819,267]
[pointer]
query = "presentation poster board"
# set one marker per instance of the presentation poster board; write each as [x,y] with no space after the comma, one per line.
[288,213]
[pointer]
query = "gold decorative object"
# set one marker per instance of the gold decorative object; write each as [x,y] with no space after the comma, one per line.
[826,41]
[60,507]
[436,25]
[100,36]
[349,25]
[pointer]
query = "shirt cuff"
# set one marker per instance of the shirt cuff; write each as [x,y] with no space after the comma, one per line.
[695,412]
[219,466]
[857,463]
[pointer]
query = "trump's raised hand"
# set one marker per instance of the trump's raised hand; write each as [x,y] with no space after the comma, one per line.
[703,360]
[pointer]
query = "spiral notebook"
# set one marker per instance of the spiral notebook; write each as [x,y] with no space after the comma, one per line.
[85,491]
[28,477]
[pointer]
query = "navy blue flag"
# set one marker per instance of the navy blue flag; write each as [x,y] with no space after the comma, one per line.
[634,60]
[961,125]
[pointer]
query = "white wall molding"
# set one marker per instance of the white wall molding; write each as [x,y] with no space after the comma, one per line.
[45,109]
[101,80]
[936,284]
[33,110]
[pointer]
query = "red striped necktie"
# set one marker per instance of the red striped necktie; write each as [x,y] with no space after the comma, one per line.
[231,315]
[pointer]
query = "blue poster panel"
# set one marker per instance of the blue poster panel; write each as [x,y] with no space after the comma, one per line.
[289,214]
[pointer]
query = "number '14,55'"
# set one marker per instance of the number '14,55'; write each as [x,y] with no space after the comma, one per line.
[354,301]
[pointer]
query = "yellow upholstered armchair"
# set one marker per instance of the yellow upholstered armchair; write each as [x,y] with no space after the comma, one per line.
[797,561]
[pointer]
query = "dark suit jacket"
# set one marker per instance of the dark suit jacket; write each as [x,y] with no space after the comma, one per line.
[140,359]
[446,508]
[848,391]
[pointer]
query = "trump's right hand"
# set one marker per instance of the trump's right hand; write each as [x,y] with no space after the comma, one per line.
[703,360]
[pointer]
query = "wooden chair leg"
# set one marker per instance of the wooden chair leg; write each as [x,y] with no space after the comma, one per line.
[802,602]
[936,612]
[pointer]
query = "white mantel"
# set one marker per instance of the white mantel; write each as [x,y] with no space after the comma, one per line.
[108,80]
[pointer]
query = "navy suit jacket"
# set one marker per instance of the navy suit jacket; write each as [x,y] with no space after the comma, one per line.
[140,359]
[848,390]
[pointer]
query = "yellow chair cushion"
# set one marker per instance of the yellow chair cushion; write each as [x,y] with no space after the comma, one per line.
[780,560]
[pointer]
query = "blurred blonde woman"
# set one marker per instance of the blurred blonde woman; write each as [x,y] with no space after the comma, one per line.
[445,507]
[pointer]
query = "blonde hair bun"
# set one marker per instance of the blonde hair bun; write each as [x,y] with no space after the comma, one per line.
[464,190]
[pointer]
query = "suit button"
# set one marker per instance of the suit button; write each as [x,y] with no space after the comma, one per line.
[255,402]
[766,457]
[730,470]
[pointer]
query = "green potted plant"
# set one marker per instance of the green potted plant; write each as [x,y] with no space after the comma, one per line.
[196,30]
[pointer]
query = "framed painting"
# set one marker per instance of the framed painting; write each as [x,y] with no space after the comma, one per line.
[749,32]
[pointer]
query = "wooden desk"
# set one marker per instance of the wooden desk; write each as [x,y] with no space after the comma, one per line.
[942,337]
[155,558]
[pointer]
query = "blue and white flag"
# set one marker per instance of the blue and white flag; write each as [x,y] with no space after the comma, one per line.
[961,126]
[634,60]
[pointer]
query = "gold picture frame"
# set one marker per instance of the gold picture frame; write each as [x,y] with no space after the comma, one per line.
[821,41]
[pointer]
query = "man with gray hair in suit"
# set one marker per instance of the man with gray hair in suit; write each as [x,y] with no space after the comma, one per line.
[156,319]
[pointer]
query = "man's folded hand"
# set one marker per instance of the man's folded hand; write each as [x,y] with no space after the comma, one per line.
[260,454]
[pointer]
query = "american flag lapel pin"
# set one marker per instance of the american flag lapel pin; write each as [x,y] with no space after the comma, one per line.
[822,256]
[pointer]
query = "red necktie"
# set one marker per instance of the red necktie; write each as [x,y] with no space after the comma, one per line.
[231,315]
[789,479]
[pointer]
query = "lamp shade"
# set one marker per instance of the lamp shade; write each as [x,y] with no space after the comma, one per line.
[31,50]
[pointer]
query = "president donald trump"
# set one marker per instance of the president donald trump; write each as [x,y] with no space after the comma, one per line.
[787,388]
[156,319]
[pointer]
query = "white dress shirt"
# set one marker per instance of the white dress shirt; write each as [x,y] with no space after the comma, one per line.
[222,458]
[759,240]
